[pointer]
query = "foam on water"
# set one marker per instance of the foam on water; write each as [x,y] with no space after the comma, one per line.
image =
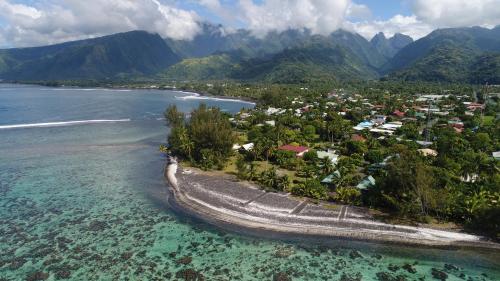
[62,123]
[194,96]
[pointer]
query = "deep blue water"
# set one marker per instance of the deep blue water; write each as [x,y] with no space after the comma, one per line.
[87,202]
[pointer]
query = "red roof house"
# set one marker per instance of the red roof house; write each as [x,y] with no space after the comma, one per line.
[359,138]
[398,113]
[298,150]
[473,106]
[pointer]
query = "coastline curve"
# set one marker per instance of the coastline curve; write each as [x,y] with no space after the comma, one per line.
[234,204]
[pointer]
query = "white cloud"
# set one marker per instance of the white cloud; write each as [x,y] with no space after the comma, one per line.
[408,25]
[357,12]
[225,11]
[319,16]
[63,20]
[431,14]
[457,13]
[53,21]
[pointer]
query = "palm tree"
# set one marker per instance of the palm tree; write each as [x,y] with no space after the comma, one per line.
[252,171]
[327,166]
[284,183]
[185,143]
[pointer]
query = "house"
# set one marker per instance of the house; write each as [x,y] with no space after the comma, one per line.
[456,123]
[356,137]
[271,123]
[329,154]
[473,106]
[246,147]
[363,125]
[298,150]
[330,179]
[428,152]
[379,119]
[398,113]
[272,110]
[496,155]
[393,126]
[367,183]
[424,143]
[382,131]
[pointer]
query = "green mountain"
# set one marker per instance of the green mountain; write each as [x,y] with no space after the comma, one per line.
[314,61]
[213,40]
[214,67]
[475,38]
[129,54]
[343,55]
[450,55]
[389,47]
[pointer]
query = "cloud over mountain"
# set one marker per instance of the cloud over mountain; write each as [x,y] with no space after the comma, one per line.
[40,22]
[62,20]
[319,16]
[458,13]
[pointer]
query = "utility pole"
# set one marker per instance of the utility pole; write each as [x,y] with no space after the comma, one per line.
[429,125]
[485,99]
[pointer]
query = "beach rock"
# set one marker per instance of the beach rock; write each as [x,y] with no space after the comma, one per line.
[17,263]
[97,226]
[172,254]
[393,267]
[36,276]
[438,274]
[448,266]
[63,274]
[354,277]
[189,274]
[409,268]
[284,252]
[355,254]
[385,276]
[281,276]
[184,260]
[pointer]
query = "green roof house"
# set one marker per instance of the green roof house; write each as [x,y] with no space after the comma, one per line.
[366,183]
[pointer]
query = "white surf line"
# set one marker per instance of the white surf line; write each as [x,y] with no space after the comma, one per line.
[62,123]
[196,96]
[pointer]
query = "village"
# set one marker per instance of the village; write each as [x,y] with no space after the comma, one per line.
[420,158]
[407,121]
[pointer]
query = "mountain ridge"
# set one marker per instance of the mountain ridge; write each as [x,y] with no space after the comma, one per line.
[465,55]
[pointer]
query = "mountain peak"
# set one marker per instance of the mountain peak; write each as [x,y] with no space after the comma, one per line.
[378,37]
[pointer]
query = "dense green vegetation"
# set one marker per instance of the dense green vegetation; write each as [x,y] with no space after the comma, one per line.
[114,57]
[205,139]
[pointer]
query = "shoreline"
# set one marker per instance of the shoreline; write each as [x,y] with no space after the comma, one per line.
[213,208]
[117,87]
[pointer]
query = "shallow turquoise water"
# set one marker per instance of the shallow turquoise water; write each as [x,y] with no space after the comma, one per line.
[88,202]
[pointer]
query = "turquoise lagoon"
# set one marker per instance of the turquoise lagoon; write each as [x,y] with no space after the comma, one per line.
[88,202]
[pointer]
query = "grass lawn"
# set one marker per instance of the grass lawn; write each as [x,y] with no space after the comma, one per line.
[488,120]
[260,167]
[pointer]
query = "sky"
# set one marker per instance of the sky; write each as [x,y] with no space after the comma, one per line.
[25,23]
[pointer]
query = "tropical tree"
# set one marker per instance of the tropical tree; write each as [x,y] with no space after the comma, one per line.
[173,116]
